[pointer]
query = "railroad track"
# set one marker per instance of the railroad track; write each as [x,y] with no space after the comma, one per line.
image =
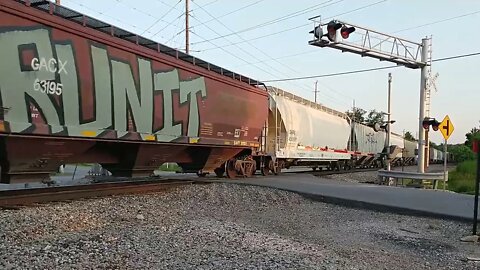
[22,197]
[322,173]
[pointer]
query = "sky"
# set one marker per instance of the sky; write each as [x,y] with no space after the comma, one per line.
[268,40]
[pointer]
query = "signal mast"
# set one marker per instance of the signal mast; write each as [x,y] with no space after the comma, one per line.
[384,47]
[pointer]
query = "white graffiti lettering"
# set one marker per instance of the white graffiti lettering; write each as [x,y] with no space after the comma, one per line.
[123,97]
[51,65]
[48,87]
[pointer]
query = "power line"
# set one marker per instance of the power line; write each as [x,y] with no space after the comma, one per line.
[252,45]
[298,26]
[137,9]
[366,70]
[402,30]
[280,57]
[178,33]
[209,3]
[168,24]
[102,13]
[270,57]
[238,47]
[231,12]
[161,17]
[455,57]
[285,17]
[439,21]
[330,74]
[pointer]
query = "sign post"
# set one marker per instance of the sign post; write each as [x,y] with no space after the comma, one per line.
[476,147]
[446,128]
[445,165]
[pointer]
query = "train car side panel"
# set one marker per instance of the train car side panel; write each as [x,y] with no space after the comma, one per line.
[368,140]
[70,93]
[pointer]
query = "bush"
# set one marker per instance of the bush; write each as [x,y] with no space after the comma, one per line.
[172,167]
[461,152]
[462,180]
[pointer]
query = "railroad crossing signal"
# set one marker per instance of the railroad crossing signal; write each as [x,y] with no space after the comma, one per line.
[332,29]
[446,127]
[427,122]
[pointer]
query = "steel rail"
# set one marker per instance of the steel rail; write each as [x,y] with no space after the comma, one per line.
[22,197]
[322,173]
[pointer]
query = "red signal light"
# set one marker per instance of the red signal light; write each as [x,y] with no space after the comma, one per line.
[332,28]
[346,31]
[426,124]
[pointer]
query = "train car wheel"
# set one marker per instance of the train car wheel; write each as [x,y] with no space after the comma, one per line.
[201,174]
[220,172]
[230,169]
[265,171]
[250,169]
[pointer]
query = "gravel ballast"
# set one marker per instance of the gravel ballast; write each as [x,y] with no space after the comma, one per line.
[225,226]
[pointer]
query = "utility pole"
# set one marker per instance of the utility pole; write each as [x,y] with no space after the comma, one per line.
[389,118]
[423,83]
[187,30]
[352,139]
[316,91]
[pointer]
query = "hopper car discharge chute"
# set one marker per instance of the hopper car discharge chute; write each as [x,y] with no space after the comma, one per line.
[74,89]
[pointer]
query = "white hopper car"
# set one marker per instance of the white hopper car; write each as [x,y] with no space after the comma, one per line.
[300,132]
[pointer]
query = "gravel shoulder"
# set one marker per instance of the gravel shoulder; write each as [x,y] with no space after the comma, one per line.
[225,226]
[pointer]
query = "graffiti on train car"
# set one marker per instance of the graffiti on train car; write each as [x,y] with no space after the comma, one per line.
[43,78]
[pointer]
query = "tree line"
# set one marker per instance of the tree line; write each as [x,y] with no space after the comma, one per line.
[359,115]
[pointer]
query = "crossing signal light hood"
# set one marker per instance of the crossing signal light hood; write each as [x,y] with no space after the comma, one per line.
[427,122]
[346,31]
[332,28]
[317,32]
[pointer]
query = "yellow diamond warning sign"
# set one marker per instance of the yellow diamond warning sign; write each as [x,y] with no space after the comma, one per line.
[446,127]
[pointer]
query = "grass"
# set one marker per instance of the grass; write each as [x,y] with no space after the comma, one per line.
[172,167]
[462,180]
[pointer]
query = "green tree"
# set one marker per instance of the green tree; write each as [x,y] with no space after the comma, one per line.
[461,152]
[474,134]
[374,117]
[357,115]
[409,137]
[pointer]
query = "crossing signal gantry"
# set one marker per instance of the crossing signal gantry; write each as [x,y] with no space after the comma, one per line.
[384,47]
[370,43]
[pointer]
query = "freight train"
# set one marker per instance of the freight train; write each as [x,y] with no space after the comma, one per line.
[300,132]
[74,89]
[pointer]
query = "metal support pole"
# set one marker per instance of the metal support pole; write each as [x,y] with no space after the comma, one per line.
[421,138]
[187,30]
[389,118]
[427,150]
[316,91]
[475,209]
[445,165]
